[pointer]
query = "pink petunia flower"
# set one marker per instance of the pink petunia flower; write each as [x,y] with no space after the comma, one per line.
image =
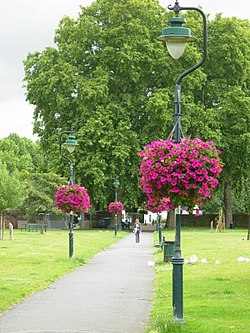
[171,170]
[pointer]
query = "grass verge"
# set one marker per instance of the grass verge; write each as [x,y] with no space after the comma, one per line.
[32,261]
[216,293]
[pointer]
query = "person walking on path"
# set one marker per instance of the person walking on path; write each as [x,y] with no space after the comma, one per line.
[137,230]
[111,293]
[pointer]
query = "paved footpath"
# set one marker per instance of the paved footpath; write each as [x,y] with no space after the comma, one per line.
[112,293]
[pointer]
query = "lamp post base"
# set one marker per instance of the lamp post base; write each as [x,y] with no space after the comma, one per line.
[179,321]
[178,289]
[177,277]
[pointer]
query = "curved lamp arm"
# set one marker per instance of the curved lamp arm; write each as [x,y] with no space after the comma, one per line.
[176,8]
[61,153]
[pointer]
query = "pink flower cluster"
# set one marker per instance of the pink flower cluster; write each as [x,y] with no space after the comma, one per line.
[115,207]
[158,206]
[72,198]
[179,174]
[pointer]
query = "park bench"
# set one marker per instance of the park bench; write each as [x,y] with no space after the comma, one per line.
[34,226]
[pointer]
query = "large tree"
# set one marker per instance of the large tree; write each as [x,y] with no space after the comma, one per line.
[227,94]
[40,194]
[11,193]
[112,81]
[21,154]
[23,188]
[18,157]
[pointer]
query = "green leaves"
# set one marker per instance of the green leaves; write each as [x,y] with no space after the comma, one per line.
[112,82]
[40,192]
[11,189]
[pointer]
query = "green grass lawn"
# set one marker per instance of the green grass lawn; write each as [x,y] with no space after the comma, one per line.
[32,261]
[216,296]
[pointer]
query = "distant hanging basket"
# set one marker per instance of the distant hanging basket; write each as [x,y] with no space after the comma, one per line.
[72,198]
[115,207]
[180,174]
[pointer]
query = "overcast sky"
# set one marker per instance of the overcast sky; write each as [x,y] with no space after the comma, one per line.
[29,25]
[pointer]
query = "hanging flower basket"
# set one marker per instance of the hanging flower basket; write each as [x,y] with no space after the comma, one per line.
[158,206]
[115,207]
[72,198]
[179,174]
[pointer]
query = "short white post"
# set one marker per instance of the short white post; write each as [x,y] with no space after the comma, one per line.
[11,231]
[212,225]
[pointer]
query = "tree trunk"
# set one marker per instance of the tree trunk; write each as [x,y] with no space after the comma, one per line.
[228,200]
[2,226]
[171,218]
[113,220]
[43,223]
[248,232]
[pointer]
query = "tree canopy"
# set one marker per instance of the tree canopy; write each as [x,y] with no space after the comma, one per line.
[110,80]
[21,154]
[40,194]
[11,189]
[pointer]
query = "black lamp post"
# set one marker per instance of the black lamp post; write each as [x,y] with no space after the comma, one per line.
[70,144]
[159,228]
[176,36]
[116,184]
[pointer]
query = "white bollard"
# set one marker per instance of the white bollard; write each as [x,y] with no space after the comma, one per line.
[11,231]
[212,225]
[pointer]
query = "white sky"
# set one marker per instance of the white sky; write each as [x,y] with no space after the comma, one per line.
[29,25]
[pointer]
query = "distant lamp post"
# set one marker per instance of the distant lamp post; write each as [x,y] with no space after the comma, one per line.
[176,36]
[116,185]
[159,228]
[70,144]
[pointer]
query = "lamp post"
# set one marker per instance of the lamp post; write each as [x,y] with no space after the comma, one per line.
[159,228]
[70,144]
[176,36]
[116,184]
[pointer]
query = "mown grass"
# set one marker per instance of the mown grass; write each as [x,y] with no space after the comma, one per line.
[216,296]
[32,261]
